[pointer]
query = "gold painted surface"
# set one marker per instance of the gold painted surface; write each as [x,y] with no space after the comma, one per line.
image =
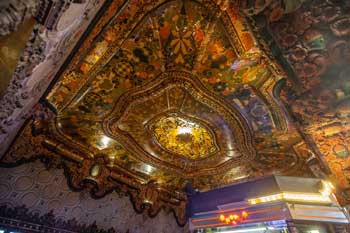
[180,94]
[106,101]
[11,48]
[154,64]
[183,136]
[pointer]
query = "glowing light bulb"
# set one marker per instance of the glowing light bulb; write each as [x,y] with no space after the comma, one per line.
[184,130]
[104,142]
[222,217]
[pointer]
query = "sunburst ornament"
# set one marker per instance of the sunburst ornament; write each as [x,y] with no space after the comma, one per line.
[183,136]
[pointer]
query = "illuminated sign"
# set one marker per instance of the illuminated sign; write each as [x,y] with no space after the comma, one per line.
[322,197]
[234,218]
[288,196]
[258,229]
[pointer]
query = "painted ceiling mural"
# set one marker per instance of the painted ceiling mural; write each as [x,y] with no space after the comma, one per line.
[166,93]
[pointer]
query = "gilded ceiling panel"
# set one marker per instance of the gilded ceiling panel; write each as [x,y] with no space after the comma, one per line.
[168,93]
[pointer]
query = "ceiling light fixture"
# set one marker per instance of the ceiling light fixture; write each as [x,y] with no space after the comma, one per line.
[184,130]
[104,142]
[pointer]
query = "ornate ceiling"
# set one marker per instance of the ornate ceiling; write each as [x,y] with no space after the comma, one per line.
[312,44]
[166,93]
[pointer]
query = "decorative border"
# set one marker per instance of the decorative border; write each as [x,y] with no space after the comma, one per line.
[237,122]
[145,197]
[21,218]
[208,126]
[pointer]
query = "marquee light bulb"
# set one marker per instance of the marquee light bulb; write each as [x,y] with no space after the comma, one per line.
[222,217]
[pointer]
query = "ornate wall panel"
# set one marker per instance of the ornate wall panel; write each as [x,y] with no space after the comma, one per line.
[43,190]
[51,41]
[311,41]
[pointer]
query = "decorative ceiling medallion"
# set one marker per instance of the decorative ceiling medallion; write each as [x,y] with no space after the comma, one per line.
[182,135]
[174,123]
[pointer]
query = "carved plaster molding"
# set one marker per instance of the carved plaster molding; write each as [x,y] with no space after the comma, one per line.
[14,12]
[51,195]
[237,145]
[45,52]
[93,174]
[15,217]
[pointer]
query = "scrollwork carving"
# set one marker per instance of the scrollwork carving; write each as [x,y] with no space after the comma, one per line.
[94,175]
[14,12]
